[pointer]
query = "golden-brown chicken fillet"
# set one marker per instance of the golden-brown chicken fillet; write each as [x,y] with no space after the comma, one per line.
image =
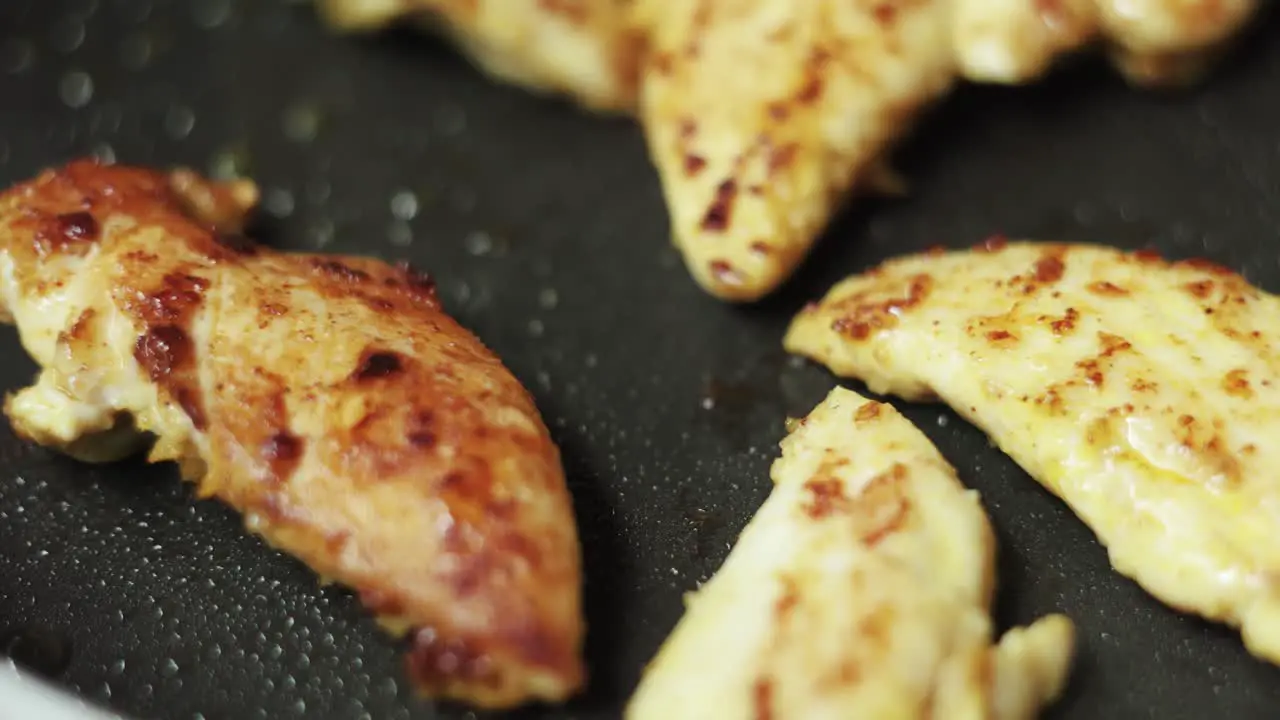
[1144,393]
[330,400]
[861,589]
[762,116]
[579,48]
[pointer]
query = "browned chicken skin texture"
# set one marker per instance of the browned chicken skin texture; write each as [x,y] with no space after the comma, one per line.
[330,400]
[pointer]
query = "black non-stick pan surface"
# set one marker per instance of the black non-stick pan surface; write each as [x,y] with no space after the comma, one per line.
[548,236]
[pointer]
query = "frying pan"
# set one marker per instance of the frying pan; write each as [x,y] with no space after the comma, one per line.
[546,230]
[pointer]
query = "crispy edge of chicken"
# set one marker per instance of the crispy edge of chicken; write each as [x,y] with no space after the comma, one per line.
[1154,43]
[762,117]
[1144,393]
[861,589]
[330,400]
[582,49]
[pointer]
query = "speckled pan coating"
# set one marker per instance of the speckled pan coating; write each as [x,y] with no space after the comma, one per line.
[548,231]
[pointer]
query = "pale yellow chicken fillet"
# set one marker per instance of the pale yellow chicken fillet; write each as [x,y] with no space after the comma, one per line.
[579,48]
[762,116]
[1144,393]
[1153,42]
[861,589]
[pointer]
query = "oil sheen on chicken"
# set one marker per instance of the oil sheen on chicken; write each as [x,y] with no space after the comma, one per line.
[330,400]
[1144,393]
[861,589]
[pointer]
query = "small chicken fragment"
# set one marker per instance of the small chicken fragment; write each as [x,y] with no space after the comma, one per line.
[1153,42]
[330,400]
[763,116]
[580,48]
[1144,393]
[861,589]
[1017,41]
[1171,42]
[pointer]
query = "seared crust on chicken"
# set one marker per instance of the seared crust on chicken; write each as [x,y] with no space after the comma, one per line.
[330,400]
[580,48]
[1144,393]
[762,117]
[861,589]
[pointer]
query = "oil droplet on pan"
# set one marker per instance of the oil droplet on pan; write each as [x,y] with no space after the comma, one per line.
[404,205]
[104,153]
[210,14]
[67,35]
[548,298]
[479,243]
[16,55]
[279,202]
[179,122]
[301,122]
[321,232]
[76,89]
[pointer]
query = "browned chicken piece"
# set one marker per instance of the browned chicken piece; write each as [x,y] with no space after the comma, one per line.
[1153,42]
[762,116]
[330,400]
[579,48]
